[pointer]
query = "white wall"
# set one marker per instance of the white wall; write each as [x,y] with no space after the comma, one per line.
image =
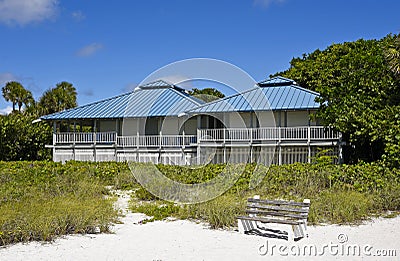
[170,126]
[236,120]
[297,118]
[129,127]
[268,119]
[190,126]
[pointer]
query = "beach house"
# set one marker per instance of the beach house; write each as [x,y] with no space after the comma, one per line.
[160,122]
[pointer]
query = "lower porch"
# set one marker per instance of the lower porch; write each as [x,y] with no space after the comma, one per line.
[280,145]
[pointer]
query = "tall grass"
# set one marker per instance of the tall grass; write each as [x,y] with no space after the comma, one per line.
[40,200]
[339,194]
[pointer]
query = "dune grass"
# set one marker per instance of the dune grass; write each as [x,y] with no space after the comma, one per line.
[42,200]
[339,194]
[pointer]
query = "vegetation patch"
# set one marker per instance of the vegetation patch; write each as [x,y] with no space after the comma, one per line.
[339,194]
[42,200]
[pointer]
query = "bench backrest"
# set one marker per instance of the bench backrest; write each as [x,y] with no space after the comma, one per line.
[282,209]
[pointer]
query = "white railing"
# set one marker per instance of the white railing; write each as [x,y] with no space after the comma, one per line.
[125,141]
[312,133]
[269,134]
[85,137]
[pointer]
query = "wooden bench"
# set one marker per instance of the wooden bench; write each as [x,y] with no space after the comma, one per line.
[263,212]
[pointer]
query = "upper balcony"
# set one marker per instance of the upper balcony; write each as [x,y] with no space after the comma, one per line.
[204,136]
[278,134]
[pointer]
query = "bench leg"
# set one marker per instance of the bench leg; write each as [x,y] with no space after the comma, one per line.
[298,231]
[246,225]
[305,228]
[291,235]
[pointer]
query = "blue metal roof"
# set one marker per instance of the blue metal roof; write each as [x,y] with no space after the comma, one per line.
[277,81]
[150,100]
[275,94]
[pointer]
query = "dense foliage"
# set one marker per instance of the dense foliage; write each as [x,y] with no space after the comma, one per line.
[59,98]
[207,94]
[360,94]
[20,139]
[393,55]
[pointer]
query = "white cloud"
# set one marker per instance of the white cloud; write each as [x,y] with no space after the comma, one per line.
[266,3]
[89,49]
[6,77]
[6,110]
[26,11]
[78,15]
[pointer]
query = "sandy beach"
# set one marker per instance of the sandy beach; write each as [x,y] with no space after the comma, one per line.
[186,240]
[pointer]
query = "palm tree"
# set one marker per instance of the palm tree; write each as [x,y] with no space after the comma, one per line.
[66,94]
[25,98]
[62,97]
[13,91]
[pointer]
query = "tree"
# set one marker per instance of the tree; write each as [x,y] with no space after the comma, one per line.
[356,85]
[11,92]
[207,94]
[22,140]
[62,97]
[25,98]
[14,92]
[393,55]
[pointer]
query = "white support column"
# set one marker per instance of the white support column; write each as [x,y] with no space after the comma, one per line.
[54,139]
[116,139]
[159,148]
[279,146]
[340,159]
[198,156]
[73,146]
[224,144]
[74,141]
[198,147]
[94,140]
[94,147]
[183,146]
[137,145]
[309,143]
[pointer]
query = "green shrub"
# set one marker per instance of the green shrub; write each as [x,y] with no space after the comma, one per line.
[220,212]
[341,207]
[40,200]
[157,210]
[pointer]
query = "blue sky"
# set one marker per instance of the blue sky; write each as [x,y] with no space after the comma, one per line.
[106,47]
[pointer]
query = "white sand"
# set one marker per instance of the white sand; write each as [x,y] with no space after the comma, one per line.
[184,240]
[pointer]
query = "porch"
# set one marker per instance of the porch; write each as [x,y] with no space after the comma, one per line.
[280,145]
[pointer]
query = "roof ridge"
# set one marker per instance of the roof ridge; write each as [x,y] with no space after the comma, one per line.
[227,97]
[305,89]
[243,94]
[186,95]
